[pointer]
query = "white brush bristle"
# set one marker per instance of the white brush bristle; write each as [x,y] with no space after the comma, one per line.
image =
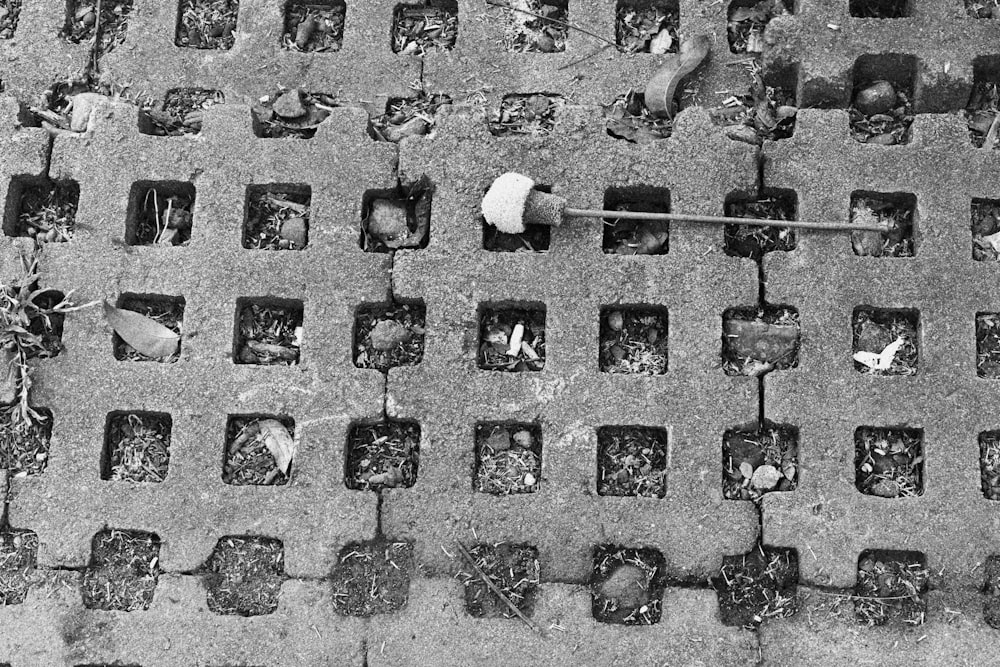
[503,205]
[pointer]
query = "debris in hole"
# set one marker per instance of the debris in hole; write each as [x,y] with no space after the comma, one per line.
[878,9]
[661,90]
[508,458]
[759,460]
[526,114]
[24,441]
[755,240]
[82,25]
[881,114]
[985,230]
[417,28]
[988,345]
[389,336]
[525,33]
[18,557]
[650,29]
[510,207]
[292,113]
[757,341]
[897,241]
[885,342]
[408,117]
[277,219]
[269,334]
[512,568]
[629,118]
[138,448]
[634,341]
[207,24]
[314,25]
[259,451]
[989,464]
[637,237]
[146,330]
[757,586]
[512,340]
[889,462]
[983,113]
[891,584]
[66,105]
[382,455]
[632,461]
[163,217]
[983,9]
[627,585]
[182,111]
[768,111]
[398,219]
[746,24]
[123,571]
[372,578]
[47,210]
[991,586]
[243,575]
[10,12]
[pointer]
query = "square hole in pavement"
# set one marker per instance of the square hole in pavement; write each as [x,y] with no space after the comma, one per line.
[314,25]
[881,9]
[418,27]
[886,340]
[755,240]
[632,461]
[512,337]
[207,24]
[991,589]
[989,464]
[757,585]
[758,340]
[168,311]
[268,331]
[123,570]
[407,116]
[18,559]
[277,217]
[179,113]
[897,210]
[372,577]
[627,585]
[532,114]
[46,316]
[534,238]
[980,9]
[41,208]
[243,575]
[531,34]
[397,218]
[746,21]
[983,108]
[136,447]
[248,458]
[24,440]
[389,335]
[508,458]
[759,459]
[8,22]
[633,340]
[891,585]
[636,237]
[512,568]
[647,26]
[291,113]
[81,23]
[986,229]
[988,345]
[627,117]
[889,462]
[382,455]
[160,213]
[882,99]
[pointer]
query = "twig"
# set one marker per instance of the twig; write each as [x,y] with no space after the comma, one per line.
[493,587]
[504,5]
[586,57]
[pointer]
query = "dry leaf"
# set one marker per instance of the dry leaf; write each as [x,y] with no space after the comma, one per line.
[993,240]
[660,90]
[278,442]
[883,360]
[146,335]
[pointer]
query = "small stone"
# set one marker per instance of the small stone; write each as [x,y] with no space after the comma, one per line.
[523,439]
[544,43]
[387,220]
[879,97]
[616,320]
[529,479]
[765,478]
[295,230]
[617,352]
[289,104]
[305,32]
[387,334]
[744,133]
[498,441]
[785,111]
[886,139]
[868,243]
[536,105]
[83,104]
[411,128]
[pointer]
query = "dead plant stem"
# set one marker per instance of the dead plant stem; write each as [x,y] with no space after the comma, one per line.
[504,5]
[496,590]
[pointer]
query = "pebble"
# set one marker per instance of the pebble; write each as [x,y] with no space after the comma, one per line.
[529,479]
[886,139]
[289,104]
[387,334]
[523,439]
[295,230]
[411,128]
[499,440]
[879,97]
[765,478]
[616,320]
[305,32]
[83,104]
[628,585]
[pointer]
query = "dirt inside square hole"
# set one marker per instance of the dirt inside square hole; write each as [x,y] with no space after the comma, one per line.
[647,26]
[886,340]
[512,338]
[991,589]
[757,586]
[627,585]
[396,219]
[421,26]
[207,24]
[268,332]
[165,310]
[882,102]
[277,217]
[389,335]
[136,447]
[10,12]
[42,208]
[758,340]
[758,460]
[123,570]
[632,461]
[754,241]
[627,117]
[314,25]
[160,213]
[512,568]
[372,577]
[889,462]
[986,230]
[18,556]
[533,114]
[508,458]
[898,211]
[891,586]
[636,237]
[382,455]
[747,19]
[181,112]
[243,575]
[24,443]
[544,30]
[989,464]
[82,24]
[255,445]
[633,340]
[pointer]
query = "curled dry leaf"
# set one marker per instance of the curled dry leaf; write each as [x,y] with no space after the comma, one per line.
[278,442]
[146,335]
[662,86]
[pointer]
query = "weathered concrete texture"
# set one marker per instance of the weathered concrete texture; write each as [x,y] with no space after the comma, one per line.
[570,398]
[36,57]
[434,629]
[825,633]
[827,519]
[52,627]
[315,514]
